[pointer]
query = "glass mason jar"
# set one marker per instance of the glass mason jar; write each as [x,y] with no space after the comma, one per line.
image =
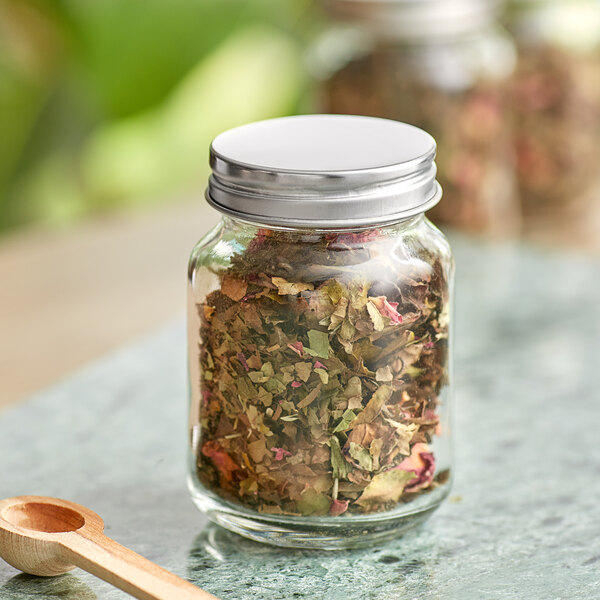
[319,352]
[557,109]
[444,66]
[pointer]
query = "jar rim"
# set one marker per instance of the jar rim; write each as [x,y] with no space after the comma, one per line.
[323,171]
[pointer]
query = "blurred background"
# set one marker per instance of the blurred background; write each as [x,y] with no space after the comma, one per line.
[107,108]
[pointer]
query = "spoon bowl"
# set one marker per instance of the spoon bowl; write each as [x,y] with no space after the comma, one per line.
[40,516]
[33,530]
[48,536]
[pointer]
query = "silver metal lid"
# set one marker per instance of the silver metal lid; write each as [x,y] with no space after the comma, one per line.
[323,171]
[414,19]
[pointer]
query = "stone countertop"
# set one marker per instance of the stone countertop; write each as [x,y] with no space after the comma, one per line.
[523,518]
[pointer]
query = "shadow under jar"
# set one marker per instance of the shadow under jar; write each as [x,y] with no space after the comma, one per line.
[444,66]
[319,352]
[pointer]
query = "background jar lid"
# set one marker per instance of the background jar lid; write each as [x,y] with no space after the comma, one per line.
[414,19]
[323,171]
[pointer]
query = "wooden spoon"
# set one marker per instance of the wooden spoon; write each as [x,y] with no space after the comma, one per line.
[47,536]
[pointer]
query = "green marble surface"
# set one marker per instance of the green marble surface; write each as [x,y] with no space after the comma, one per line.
[523,519]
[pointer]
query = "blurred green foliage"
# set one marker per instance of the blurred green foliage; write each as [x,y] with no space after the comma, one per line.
[106,103]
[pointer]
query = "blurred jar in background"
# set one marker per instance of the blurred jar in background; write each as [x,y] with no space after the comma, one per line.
[557,108]
[444,66]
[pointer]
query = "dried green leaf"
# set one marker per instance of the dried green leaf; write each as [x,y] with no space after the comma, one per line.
[339,465]
[265,397]
[384,374]
[405,433]
[319,343]
[304,370]
[334,290]
[347,418]
[258,377]
[310,398]
[313,503]
[322,373]
[257,450]
[353,387]
[376,317]
[285,287]
[374,406]
[375,451]
[355,403]
[361,456]
[347,331]
[385,487]
[267,369]
[339,314]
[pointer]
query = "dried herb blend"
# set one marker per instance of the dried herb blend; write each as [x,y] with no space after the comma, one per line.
[556,106]
[323,356]
[557,132]
[470,121]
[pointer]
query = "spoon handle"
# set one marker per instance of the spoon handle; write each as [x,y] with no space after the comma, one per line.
[123,568]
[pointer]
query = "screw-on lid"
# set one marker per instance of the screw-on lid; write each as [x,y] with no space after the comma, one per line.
[323,171]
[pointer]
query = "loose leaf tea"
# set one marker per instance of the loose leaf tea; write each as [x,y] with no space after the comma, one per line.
[322,358]
[557,133]
[468,117]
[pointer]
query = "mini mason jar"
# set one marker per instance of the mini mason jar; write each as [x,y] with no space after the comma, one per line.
[319,322]
[557,111]
[444,66]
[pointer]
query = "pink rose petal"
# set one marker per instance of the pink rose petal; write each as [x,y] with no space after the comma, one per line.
[320,365]
[296,384]
[422,463]
[220,459]
[280,453]
[297,347]
[242,359]
[338,507]
[387,309]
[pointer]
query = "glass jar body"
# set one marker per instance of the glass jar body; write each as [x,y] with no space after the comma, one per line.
[453,87]
[319,368]
[556,108]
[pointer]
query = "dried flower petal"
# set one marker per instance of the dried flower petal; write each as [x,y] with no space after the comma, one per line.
[297,347]
[387,309]
[422,464]
[222,461]
[280,453]
[243,360]
[338,507]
